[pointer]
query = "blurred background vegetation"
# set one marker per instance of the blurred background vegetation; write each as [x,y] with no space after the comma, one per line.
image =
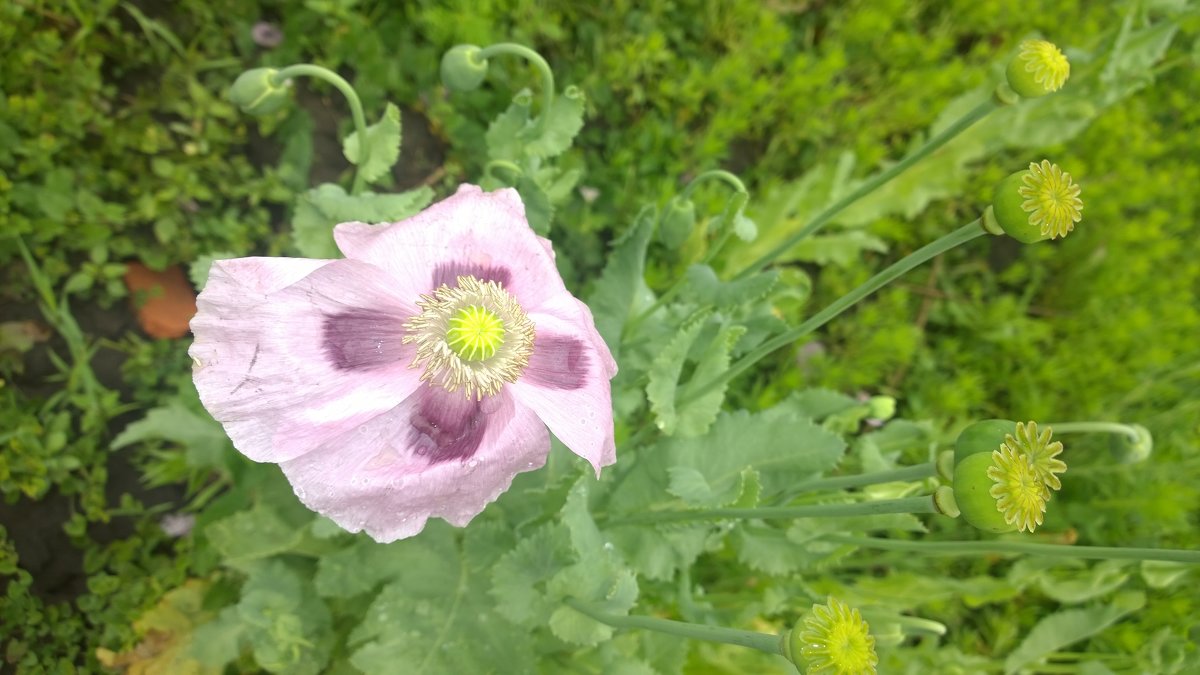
[116,146]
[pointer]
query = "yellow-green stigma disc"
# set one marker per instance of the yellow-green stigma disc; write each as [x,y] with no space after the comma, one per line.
[475,333]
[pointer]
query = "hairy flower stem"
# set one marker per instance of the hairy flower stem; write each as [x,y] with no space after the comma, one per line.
[901,267]
[1094,427]
[923,504]
[908,473]
[715,174]
[536,59]
[739,189]
[356,109]
[1019,547]
[979,112]
[763,642]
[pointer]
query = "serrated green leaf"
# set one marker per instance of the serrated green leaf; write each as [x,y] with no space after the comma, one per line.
[217,642]
[599,577]
[779,443]
[285,625]
[519,577]
[438,616]
[1065,628]
[260,532]
[698,414]
[842,248]
[766,549]
[729,294]
[562,124]
[613,295]
[204,441]
[198,270]
[821,403]
[326,205]
[360,567]
[604,586]
[383,138]
[538,209]
[664,374]
[503,136]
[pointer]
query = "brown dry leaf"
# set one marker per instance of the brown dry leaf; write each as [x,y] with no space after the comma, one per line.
[165,300]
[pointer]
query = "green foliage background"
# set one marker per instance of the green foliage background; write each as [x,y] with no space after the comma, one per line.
[116,145]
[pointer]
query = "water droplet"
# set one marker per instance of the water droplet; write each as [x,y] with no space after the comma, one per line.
[608,546]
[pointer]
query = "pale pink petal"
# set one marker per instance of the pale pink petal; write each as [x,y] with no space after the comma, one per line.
[567,384]
[484,234]
[438,454]
[287,360]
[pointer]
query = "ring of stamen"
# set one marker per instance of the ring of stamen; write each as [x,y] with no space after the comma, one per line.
[472,337]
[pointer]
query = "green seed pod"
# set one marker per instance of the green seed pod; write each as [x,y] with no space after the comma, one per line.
[983,436]
[1030,206]
[1127,450]
[678,221]
[257,93]
[463,69]
[972,494]
[1039,68]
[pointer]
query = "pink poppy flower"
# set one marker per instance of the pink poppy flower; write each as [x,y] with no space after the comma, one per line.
[416,377]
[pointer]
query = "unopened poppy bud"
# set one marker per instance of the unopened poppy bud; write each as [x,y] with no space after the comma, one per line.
[463,69]
[256,92]
[1129,450]
[678,221]
[1039,68]
[1039,203]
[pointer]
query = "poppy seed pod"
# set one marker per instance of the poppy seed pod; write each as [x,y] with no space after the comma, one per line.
[1036,204]
[1039,68]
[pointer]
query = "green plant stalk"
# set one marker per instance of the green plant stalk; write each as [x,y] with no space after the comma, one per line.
[715,174]
[763,642]
[901,267]
[1019,547]
[908,473]
[1094,427]
[536,59]
[356,109]
[727,232]
[923,504]
[823,218]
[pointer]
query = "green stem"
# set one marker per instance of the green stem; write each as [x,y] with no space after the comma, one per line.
[923,504]
[727,231]
[763,642]
[960,236]
[536,59]
[1019,547]
[714,174]
[979,112]
[1094,427]
[356,109]
[908,473]
[502,164]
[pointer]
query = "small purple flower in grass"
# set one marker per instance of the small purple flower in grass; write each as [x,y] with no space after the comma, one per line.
[416,377]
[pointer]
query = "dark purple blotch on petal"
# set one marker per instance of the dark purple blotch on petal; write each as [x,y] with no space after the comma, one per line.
[446,425]
[557,363]
[448,273]
[361,339]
